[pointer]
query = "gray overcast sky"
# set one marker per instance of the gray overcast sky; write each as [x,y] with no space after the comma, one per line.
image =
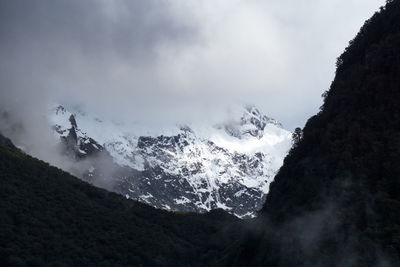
[175,60]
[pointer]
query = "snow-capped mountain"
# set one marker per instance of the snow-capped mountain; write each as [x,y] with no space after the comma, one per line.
[185,168]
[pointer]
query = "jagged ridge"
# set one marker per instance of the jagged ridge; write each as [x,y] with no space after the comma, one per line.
[187,170]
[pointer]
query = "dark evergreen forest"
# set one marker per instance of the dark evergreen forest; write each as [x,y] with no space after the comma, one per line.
[50,218]
[335,201]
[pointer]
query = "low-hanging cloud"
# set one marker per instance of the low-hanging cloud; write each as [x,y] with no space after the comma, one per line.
[166,61]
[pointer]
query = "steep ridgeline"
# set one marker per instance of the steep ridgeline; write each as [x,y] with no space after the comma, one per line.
[193,168]
[336,199]
[50,218]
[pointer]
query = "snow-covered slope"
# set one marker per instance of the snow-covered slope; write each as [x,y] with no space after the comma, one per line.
[188,167]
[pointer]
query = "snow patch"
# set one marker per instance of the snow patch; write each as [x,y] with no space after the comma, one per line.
[246,151]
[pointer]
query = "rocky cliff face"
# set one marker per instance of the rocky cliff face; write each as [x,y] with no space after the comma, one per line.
[191,168]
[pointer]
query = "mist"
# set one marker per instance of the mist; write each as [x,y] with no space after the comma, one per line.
[162,62]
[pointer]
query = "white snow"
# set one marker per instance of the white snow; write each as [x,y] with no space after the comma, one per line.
[247,215]
[210,165]
[223,206]
[182,200]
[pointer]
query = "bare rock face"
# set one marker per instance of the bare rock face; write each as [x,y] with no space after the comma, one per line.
[228,166]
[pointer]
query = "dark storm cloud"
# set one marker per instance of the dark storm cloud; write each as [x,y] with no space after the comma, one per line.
[60,49]
[164,61]
[124,28]
[85,52]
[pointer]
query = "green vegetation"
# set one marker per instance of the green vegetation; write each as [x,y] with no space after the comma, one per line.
[336,200]
[48,217]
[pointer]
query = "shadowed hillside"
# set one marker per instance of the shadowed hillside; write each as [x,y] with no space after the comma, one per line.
[336,200]
[48,217]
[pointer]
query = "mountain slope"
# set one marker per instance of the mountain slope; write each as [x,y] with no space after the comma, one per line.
[50,218]
[193,168]
[336,200]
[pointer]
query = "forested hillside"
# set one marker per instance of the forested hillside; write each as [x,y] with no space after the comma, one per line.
[50,218]
[336,200]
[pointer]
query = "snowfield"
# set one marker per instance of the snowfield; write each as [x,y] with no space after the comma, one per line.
[227,165]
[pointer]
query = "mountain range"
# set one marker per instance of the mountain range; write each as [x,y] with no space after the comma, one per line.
[334,202]
[193,168]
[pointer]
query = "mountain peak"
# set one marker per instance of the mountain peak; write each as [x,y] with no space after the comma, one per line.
[247,122]
[189,167]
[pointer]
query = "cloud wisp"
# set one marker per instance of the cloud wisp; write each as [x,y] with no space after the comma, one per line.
[170,61]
